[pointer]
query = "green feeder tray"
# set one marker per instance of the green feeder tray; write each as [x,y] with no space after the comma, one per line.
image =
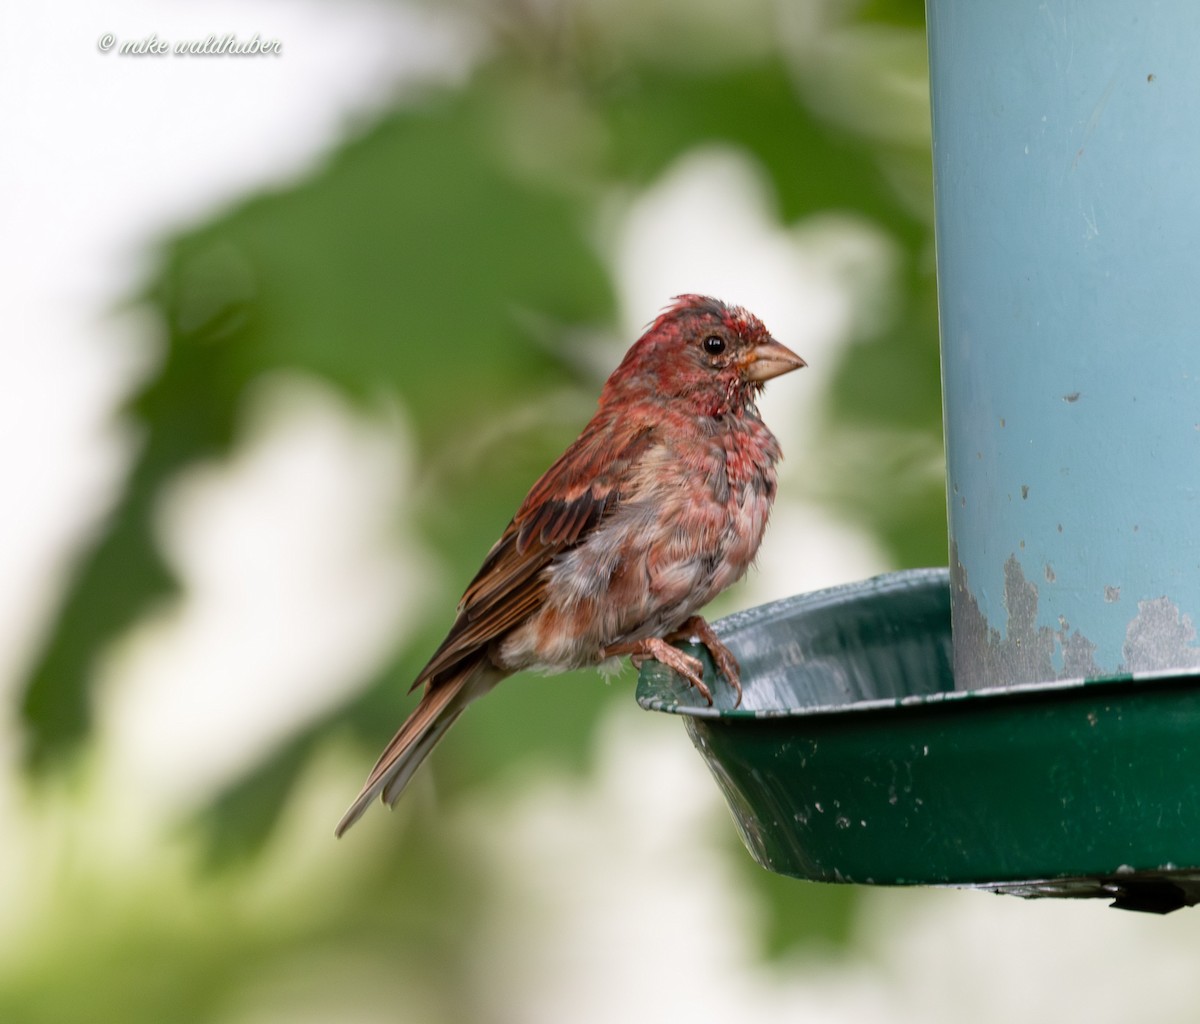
[853,759]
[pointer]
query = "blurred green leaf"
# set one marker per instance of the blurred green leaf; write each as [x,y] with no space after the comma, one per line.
[803,915]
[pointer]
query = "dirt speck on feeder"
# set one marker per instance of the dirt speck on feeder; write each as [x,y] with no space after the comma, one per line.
[1050,576]
[1024,492]
[1112,594]
[1072,398]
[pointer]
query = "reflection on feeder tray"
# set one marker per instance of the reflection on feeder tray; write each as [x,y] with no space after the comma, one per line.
[853,759]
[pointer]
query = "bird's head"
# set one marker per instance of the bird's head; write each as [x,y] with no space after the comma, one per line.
[701,351]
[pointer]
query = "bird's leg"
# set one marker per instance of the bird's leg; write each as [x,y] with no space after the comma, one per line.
[653,647]
[722,656]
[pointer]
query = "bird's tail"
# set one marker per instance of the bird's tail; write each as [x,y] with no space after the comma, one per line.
[439,708]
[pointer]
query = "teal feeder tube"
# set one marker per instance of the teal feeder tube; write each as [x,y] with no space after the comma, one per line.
[1066,155]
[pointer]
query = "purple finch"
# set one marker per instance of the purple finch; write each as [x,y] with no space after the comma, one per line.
[658,506]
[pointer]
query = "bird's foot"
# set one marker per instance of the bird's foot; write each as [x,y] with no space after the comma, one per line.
[683,664]
[727,665]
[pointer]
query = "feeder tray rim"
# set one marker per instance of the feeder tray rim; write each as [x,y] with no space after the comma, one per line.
[847,593]
[1049,689]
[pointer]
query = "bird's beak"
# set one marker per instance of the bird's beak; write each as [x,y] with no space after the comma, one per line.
[767,360]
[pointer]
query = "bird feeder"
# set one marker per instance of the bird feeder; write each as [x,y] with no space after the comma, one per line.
[1043,745]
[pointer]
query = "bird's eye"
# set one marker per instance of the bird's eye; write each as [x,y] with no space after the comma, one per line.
[714,345]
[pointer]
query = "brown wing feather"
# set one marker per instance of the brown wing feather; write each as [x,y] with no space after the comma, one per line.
[569,500]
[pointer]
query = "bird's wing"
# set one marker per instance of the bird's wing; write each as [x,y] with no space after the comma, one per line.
[569,500]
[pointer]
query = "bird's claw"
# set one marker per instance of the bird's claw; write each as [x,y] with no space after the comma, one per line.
[722,656]
[676,660]
[687,666]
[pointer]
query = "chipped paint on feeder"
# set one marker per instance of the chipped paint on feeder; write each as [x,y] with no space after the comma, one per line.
[1064,156]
